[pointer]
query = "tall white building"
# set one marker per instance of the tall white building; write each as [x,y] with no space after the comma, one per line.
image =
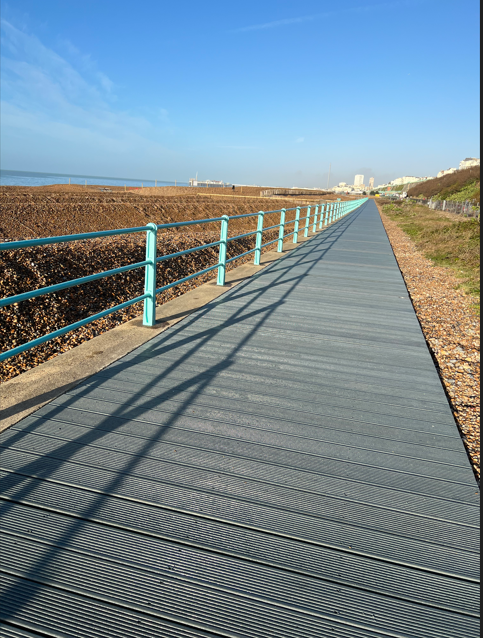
[371,183]
[359,180]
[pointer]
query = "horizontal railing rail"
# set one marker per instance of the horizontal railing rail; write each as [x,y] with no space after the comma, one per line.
[322,214]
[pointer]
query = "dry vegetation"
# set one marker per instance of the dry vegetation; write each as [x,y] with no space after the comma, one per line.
[447,239]
[450,185]
[62,210]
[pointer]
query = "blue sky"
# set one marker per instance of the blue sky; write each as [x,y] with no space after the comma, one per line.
[267,92]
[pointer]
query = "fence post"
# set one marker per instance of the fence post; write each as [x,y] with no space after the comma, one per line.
[307,222]
[322,211]
[149,315]
[222,253]
[281,231]
[258,243]
[296,225]
[314,227]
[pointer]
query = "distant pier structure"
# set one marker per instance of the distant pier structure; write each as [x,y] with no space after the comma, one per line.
[209,183]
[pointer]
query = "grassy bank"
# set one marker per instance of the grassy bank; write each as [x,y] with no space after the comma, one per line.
[459,187]
[446,239]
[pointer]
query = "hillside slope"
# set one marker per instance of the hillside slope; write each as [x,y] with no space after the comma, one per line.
[460,186]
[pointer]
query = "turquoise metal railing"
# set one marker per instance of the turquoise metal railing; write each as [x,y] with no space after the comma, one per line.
[324,213]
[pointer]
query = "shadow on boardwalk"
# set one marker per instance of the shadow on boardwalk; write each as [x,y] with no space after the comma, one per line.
[20,484]
[281,463]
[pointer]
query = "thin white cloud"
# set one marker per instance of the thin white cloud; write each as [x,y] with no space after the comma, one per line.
[299,140]
[318,16]
[283,23]
[29,58]
[45,95]
[105,82]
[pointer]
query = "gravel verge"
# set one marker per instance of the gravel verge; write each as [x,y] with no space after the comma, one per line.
[452,332]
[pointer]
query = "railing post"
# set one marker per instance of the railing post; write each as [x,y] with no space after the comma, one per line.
[258,243]
[307,222]
[222,253]
[296,225]
[322,211]
[314,227]
[149,315]
[281,230]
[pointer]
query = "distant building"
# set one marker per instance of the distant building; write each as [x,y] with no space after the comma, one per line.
[208,183]
[343,189]
[341,184]
[405,180]
[359,180]
[469,162]
[447,171]
[371,183]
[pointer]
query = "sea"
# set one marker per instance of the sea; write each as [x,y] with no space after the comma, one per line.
[27,178]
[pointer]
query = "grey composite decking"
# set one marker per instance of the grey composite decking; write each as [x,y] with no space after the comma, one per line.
[284,462]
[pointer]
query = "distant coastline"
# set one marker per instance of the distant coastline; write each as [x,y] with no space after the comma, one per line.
[31,178]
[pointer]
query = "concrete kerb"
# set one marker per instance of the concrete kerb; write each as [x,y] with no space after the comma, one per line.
[28,392]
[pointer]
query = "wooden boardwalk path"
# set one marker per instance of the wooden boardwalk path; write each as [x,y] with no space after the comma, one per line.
[282,463]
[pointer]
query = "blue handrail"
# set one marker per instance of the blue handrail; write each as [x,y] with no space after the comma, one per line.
[329,212]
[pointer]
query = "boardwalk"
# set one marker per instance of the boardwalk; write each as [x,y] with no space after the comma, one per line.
[283,463]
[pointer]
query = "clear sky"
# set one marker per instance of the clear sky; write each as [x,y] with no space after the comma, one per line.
[265,92]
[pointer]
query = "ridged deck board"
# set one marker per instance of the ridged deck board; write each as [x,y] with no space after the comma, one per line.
[284,462]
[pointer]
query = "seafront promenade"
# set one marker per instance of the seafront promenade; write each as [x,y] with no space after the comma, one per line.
[282,462]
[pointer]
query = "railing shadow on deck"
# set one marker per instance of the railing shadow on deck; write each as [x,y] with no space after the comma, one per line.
[26,478]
